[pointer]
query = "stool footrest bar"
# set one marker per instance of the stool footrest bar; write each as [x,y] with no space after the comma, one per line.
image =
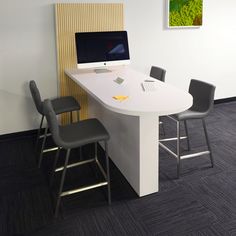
[75,164]
[50,149]
[194,154]
[183,156]
[171,139]
[69,192]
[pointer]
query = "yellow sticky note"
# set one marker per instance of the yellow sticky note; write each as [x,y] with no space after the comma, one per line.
[120,97]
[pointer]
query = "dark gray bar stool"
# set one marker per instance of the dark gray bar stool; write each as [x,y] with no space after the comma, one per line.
[60,105]
[203,99]
[73,136]
[159,74]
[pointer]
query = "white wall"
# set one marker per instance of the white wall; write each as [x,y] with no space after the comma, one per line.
[27,51]
[207,53]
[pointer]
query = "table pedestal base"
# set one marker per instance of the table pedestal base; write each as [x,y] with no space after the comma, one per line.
[133,146]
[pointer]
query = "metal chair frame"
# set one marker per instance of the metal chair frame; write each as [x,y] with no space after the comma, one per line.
[106,175]
[64,138]
[178,155]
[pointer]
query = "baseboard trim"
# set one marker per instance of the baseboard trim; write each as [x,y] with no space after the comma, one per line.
[18,135]
[225,100]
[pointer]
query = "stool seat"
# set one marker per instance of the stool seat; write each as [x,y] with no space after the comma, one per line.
[82,133]
[158,73]
[65,104]
[190,114]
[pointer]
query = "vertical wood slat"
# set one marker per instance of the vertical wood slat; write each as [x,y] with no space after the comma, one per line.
[80,17]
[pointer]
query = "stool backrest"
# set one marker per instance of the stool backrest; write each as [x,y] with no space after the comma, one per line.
[203,95]
[52,122]
[36,96]
[158,73]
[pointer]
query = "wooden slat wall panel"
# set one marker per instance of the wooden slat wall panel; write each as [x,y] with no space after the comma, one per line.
[80,17]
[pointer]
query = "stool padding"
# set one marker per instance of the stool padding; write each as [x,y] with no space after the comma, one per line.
[75,134]
[65,104]
[158,73]
[203,99]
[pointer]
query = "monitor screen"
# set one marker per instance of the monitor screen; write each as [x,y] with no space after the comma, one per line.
[99,49]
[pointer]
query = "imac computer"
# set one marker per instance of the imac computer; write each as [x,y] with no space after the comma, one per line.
[100,50]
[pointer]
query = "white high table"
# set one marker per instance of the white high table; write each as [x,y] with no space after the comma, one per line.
[133,124]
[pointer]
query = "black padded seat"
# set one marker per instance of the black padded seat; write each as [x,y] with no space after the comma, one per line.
[82,133]
[189,114]
[65,104]
[72,136]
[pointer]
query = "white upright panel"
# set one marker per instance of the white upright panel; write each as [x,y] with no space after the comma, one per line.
[149,156]
[123,146]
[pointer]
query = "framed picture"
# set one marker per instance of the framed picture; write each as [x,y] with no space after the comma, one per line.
[184,13]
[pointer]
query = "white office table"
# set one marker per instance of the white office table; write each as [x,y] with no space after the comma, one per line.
[133,124]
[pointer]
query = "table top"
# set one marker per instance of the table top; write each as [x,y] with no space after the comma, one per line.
[165,100]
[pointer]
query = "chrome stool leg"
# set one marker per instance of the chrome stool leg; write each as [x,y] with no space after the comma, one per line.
[54,165]
[208,143]
[78,117]
[108,174]
[42,148]
[71,117]
[96,150]
[38,133]
[187,134]
[178,148]
[62,182]
[163,128]
[80,148]
[95,155]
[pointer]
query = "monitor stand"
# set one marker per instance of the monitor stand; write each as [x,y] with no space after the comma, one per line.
[101,70]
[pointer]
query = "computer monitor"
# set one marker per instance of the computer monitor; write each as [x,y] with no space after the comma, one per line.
[101,49]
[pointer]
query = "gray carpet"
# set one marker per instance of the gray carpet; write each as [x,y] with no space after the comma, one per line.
[202,202]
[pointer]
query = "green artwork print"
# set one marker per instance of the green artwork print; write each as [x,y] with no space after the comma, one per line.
[185,13]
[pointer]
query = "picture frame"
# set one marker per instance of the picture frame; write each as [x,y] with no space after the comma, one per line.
[184,13]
